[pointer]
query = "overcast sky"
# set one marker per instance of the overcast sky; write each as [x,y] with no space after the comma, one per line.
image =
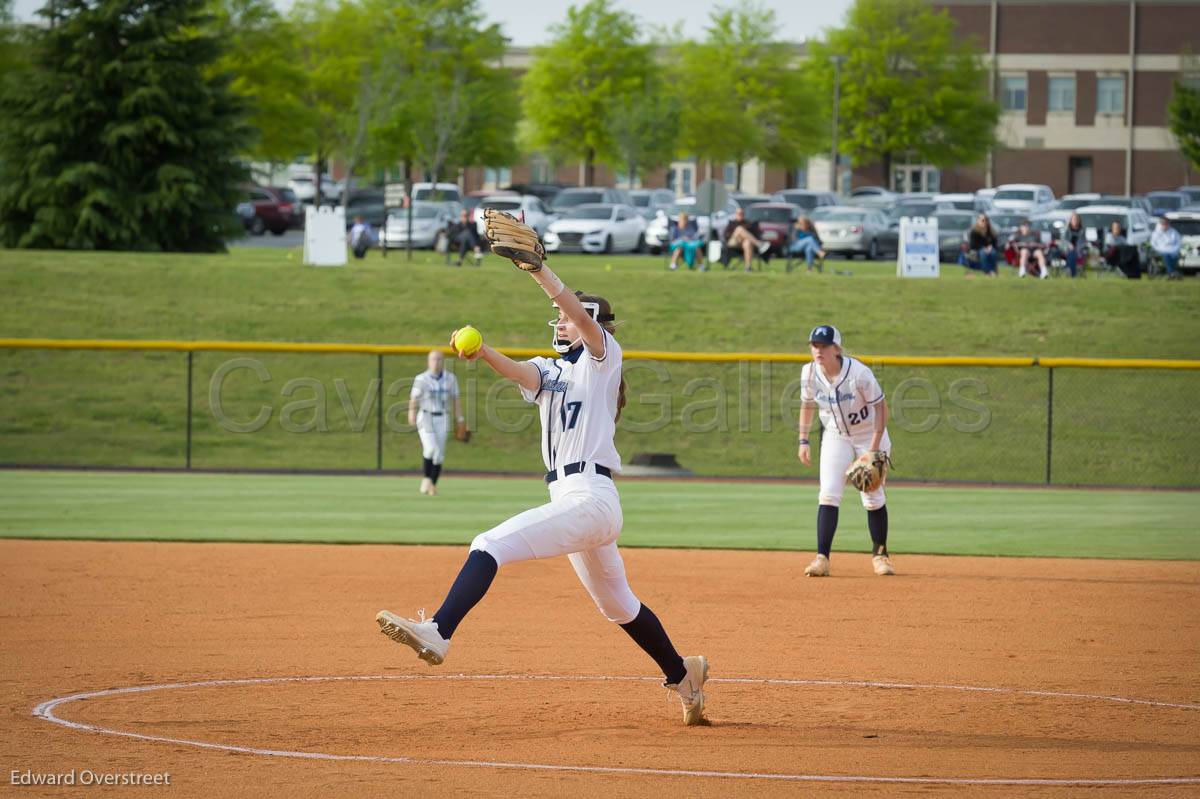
[525,21]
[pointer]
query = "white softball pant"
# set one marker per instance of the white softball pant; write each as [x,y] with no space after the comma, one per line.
[837,453]
[432,430]
[582,521]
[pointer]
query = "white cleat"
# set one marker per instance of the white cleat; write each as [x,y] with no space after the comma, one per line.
[422,636]
[691,689]
[426,484]
[883,565]
[818,568]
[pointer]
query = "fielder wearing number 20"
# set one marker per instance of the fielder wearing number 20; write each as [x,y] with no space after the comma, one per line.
[579,397]
[854,415]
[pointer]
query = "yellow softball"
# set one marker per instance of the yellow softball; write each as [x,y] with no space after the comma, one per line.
[467,340]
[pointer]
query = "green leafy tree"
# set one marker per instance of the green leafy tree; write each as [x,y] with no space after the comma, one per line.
[119,135]
[574,83]
[743,95]
[644,127]
[460,105]
[260,57]
[1184,114]
[909,86]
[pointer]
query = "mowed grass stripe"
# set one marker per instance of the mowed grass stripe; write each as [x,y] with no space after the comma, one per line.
[683,514]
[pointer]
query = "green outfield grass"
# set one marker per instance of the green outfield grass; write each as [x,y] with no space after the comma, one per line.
[686,514]
[94,408]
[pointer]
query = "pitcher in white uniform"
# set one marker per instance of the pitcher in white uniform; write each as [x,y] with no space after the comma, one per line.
[579,397]
[434,394]
[854,415]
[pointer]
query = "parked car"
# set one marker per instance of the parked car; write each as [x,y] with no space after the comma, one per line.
[745,200]
[535,214]
[872,197]
[429,220]
[1188,225]
[961,202]
[436,192]
[805,198]
[775,222]
[567,199]
[985,196]
[597,227]
[272,208]
[915,205]
[1026,198]
[1097,219]
[953,227]
[1163,202]
[546,192]
[650,201]
[305,189]
[656,231]
[851,230]
[367,203]
[1192,192]
[1069,202]
[472,199]
[1125,202]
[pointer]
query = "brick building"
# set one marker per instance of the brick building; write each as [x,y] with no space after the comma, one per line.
[1070,76]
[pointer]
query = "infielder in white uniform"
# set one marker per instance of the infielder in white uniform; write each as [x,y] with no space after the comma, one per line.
[434,392]
[579,397]
[854,414]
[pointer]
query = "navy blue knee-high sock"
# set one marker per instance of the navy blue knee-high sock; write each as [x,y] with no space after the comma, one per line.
[437,472]
[877,523]
[427,466]
[469,587]
[827,519]
[649,634]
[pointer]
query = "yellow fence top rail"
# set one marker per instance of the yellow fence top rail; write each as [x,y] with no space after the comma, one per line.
[529,352]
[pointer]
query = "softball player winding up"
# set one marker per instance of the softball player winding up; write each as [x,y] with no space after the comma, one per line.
[854,414]
[579,397]
[432,393]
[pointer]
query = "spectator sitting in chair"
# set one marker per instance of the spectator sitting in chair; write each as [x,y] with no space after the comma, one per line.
[981,247]
[685,239]
[1120,254]
[742,234]
[1075,243]
[361,237]
[465,236]
[1166,241]
[806,242]
[1029,245]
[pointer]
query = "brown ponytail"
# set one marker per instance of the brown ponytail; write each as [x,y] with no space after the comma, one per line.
[607,322]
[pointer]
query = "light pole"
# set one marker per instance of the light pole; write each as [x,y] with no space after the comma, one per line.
[837,96]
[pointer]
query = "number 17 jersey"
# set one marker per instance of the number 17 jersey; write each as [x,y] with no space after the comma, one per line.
[577,404]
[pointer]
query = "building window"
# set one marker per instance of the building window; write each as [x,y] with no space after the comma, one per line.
[1013,91]
[1062,94]
[730,176]
[495,177]
[1110,95]
[540,170]
[801,177]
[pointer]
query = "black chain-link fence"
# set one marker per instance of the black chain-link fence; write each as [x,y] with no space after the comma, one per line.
[1035,425]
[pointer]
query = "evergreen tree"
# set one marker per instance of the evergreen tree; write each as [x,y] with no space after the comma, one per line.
[121,134]
[1184,114]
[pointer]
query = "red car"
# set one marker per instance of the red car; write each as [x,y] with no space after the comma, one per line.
[270,208]
[775,222]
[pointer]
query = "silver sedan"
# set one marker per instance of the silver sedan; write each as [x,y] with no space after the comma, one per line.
[851,231]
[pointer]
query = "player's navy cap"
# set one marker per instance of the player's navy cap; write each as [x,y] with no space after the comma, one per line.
[825,334]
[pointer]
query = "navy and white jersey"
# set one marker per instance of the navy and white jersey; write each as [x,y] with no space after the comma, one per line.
[435,393]
[577,403]
[846,403]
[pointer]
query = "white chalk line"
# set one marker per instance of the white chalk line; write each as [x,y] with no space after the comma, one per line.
[46,711]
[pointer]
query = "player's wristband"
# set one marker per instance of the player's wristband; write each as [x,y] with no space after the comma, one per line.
[804,442]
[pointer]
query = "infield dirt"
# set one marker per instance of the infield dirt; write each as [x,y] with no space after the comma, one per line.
[86,616]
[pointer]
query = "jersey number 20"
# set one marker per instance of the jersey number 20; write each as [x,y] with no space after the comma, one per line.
[861,416]
[574,406]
